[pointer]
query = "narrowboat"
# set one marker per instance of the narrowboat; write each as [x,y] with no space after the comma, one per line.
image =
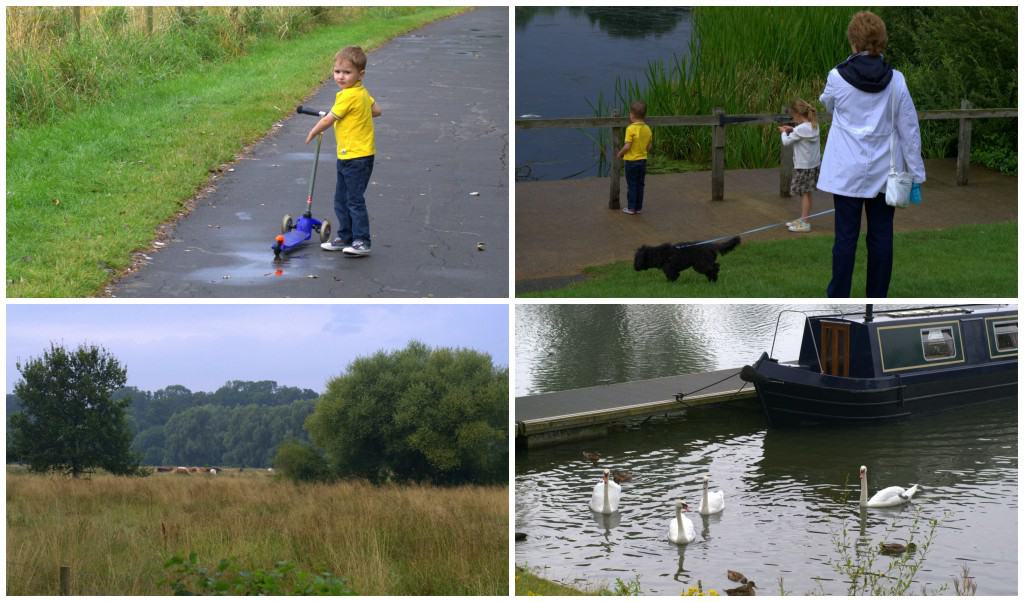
[874,366]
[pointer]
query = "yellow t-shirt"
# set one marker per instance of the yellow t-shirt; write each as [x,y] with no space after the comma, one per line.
[353,128]
[639,136]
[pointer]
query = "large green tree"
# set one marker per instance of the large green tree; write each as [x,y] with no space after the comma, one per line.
[70,421]
[417,414]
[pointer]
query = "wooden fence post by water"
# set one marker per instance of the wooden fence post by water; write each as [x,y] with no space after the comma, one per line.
[785,164]
[963,147]
[65,580]
[616,168]
[718,156]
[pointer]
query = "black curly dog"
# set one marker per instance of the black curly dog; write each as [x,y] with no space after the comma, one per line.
[673,259]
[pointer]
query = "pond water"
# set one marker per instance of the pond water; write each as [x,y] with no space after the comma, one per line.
[790,494]
[569,57]
[568,346]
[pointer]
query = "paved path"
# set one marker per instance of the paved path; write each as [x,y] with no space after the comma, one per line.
[565,226]
[444,134]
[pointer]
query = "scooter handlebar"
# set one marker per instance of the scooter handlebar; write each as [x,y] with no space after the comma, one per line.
[305,111]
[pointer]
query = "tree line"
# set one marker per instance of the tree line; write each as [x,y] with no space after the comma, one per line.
[417,414]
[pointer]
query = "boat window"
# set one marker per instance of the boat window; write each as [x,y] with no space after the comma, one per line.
[1006,336]
[938,343]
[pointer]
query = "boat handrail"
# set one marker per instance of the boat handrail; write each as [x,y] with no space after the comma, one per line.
[807,318]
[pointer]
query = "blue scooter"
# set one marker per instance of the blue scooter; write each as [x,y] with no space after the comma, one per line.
[294,233]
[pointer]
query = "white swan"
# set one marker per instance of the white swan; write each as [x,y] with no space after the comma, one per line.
[680,528]
[606,496]
[890,496]
[712,502]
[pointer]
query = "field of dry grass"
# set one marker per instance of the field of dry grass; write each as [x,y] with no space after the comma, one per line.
[116,533]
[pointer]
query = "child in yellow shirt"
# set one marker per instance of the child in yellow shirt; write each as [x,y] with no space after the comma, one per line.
[352,117]
[634,155]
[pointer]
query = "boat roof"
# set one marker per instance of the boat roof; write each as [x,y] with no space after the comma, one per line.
[916,313]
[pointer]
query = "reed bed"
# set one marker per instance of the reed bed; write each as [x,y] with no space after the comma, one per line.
[745,60]
[116,533]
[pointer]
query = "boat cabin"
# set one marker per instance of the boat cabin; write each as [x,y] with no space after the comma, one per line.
[873,344]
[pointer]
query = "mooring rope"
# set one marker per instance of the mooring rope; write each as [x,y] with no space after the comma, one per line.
[680,396]
[751,231]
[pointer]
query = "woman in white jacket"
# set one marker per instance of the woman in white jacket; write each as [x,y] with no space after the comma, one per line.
[868,100]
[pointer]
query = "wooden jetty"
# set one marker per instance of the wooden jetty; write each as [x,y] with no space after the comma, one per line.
[576,414]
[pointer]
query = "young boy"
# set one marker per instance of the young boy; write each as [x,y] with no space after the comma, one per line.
[634,156]
[352,117]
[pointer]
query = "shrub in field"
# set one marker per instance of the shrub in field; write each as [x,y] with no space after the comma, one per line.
[188,578]
[417,414]
[301,462]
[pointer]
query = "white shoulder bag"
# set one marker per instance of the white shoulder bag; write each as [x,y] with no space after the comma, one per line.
[897,187]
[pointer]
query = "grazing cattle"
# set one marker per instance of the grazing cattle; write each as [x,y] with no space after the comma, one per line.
[195,469]
[181,470]
[213,471]
[270,470]
[164,469]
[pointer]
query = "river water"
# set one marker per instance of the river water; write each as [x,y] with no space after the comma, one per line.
[569,57]
[790,494]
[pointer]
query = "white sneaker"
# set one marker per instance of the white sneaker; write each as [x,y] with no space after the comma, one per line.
[799,226]
[334,245]
[358,248]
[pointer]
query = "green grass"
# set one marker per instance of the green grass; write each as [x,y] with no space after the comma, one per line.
[966,261]
[529,584]
[86,191]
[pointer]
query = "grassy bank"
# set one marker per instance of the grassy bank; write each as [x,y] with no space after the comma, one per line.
[116,533]
[88,188]
[928,263]
[529,584]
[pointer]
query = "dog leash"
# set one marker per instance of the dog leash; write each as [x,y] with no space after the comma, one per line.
[751,231]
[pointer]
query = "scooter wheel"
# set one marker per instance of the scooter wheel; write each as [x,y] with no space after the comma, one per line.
[287,224]
[325,231]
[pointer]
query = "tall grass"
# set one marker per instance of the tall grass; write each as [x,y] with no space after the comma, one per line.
[745,60]
[116,533]
[55,67]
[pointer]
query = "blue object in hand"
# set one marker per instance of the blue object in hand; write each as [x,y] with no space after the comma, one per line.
[915,193]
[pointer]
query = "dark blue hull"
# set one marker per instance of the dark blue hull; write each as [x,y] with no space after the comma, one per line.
[794,395]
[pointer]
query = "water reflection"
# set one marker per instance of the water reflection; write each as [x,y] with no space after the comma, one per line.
[616,21]
[562,347]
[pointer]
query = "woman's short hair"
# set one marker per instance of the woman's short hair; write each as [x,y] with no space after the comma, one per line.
[866,32]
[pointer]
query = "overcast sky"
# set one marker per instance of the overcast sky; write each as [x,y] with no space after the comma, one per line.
[204,346]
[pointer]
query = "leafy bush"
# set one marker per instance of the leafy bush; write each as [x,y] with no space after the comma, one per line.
[301,462]
[417,414]
[188,578]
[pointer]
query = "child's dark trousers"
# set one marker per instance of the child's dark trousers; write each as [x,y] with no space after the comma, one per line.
[350,199]
[635,172]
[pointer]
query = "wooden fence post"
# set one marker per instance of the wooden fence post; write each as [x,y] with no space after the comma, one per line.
[76,14]
[963,147]
[785,165]
[65,580]
[148,10]
[616,168]
[718,157]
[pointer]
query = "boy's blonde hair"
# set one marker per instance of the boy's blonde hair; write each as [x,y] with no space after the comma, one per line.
[638,108]
[354,55]
[804,109]
[866,32]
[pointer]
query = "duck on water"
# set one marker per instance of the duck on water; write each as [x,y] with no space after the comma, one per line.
[867,366]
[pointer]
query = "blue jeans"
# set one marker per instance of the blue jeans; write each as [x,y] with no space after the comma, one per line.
[879,239]
[635,171]
[350,199]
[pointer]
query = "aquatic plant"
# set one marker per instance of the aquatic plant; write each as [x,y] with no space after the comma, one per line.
[857,560]
[745,60]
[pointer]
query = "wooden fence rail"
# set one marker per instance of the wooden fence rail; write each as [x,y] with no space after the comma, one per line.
[719,121]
